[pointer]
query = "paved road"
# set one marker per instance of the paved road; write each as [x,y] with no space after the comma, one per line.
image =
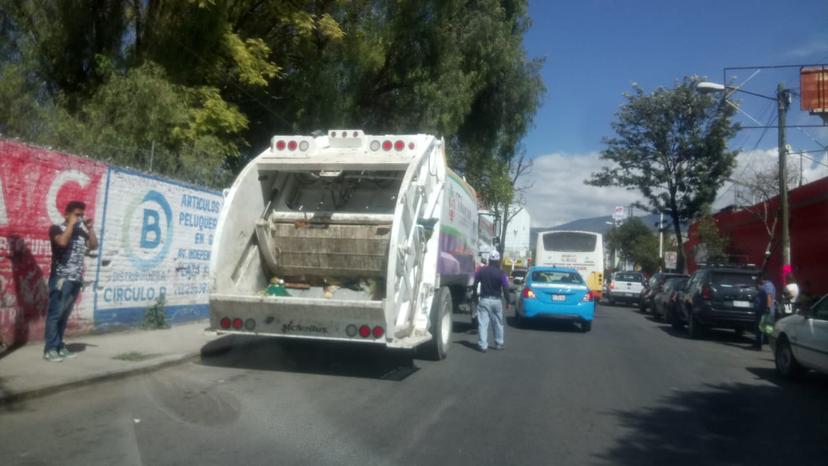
[630,392]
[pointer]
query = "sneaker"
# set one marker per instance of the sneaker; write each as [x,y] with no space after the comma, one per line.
[482,350]
[52,356]
[66,354]
[498,347]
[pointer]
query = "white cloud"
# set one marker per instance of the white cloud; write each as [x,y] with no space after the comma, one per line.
[751,162]
[558,193]
[816,45]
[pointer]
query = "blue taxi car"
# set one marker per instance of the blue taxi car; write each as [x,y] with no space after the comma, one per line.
[555,293]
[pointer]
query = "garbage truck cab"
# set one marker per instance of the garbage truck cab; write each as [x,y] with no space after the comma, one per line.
[346,237]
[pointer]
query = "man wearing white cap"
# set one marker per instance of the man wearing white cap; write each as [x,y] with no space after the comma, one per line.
[493,286]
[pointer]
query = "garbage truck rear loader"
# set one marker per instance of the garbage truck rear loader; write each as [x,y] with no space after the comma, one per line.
[346,237]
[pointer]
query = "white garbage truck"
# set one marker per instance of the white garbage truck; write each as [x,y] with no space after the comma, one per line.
[346,237]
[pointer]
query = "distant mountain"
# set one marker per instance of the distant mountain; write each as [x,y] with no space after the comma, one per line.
[594,224]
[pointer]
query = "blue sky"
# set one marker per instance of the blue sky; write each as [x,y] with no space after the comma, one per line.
[595,49]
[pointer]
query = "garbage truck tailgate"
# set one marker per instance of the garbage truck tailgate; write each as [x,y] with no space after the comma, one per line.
[307,318]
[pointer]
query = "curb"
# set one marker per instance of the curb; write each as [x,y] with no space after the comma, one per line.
[11,398]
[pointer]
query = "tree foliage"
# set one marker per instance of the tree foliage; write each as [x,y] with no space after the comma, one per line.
[671,146]
[213,80]
[713,244]
[633,242]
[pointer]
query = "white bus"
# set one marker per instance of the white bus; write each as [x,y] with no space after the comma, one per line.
[580,250]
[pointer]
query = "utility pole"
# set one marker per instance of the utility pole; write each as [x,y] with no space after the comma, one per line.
[782,101]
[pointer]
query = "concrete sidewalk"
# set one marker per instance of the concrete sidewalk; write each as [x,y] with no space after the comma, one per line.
[24,373]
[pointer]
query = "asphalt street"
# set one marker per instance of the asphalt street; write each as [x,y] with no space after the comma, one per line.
[630,392]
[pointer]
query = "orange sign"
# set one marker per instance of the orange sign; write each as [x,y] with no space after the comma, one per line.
[813,84]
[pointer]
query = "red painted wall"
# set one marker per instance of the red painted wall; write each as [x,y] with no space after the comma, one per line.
[808,230]
[35,185]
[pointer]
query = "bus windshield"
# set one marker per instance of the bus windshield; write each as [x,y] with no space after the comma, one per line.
[569,242]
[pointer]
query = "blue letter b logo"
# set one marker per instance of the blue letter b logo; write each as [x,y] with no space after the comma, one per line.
[151,231]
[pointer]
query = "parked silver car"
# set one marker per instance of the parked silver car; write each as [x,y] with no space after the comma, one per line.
[800,341]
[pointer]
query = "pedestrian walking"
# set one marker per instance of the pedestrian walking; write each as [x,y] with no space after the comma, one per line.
[494,287]
[70,242]
[765,308]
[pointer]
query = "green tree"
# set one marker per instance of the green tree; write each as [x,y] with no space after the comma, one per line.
[633,242]
[228,74]
[713,243]
[671,145]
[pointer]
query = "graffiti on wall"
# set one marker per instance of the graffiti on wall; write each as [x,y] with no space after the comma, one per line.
[157,239]
[35,186]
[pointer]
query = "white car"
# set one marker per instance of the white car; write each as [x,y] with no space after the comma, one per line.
[800,341]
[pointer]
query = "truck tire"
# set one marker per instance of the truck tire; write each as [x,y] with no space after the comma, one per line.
[586,326]
[440,327]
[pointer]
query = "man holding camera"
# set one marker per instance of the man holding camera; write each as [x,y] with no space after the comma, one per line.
[70,242]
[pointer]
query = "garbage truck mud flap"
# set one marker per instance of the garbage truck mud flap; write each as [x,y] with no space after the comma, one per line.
[306,318]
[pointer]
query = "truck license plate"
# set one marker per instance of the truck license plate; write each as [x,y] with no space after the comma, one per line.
[743,304]
[558,297]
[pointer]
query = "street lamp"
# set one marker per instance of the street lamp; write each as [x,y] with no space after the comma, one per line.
[782,99]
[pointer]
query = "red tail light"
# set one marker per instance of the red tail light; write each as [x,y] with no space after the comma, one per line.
[706,292]
[237,324]
[292,145]
[399,145]
[386,145]
[612,285]
[378,332]
[365,331]
[280,145]
[528,293]
[225,323]
[589,296]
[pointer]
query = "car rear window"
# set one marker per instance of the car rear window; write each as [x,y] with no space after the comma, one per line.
[675,283]
[629,277]
[557,277]
[733,280]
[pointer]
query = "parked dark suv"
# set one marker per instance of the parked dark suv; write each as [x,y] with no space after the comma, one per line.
[652,287]
[719,297]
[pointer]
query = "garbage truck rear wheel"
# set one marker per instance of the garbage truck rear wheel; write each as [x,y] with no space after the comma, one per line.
[437,349]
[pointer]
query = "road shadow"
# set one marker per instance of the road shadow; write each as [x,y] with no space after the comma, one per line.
[548,325]
[308,357]
[736,424]
[463,326]
[79,347]
[811,381]
[721,336]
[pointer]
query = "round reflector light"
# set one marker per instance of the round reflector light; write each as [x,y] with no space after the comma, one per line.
[356,134]
[386,145]
[280,145]
[411,146]
[365,331]
[249,324]
[304,145]
[399,145]
[292,145]
[351,330]
[225,323]
[237,323]
[378,332]
[375,145]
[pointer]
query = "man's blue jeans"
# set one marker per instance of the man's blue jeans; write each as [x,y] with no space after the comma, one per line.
[62,296]
[489,309]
